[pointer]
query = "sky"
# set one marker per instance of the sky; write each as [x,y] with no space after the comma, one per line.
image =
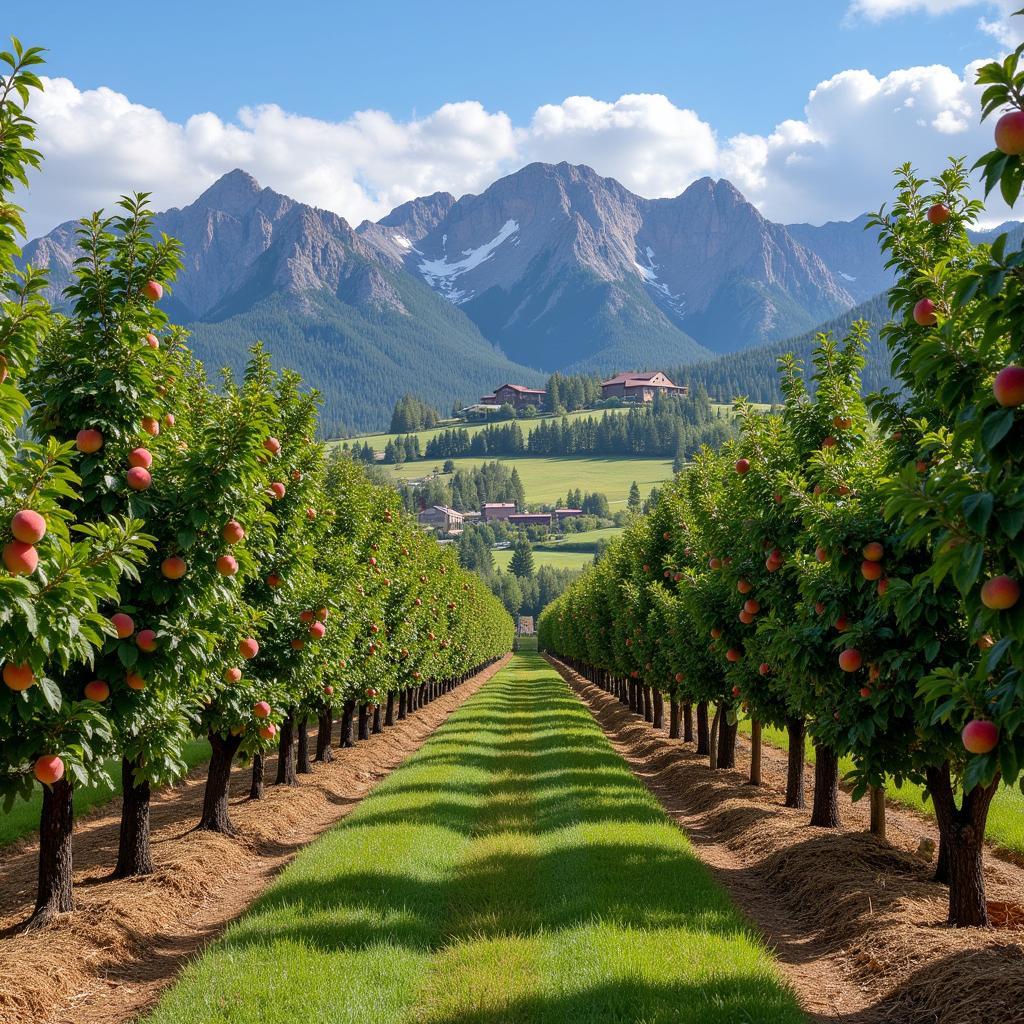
[805,105]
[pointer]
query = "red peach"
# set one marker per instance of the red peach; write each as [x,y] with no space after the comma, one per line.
[232,675]
[48,769]
[154,291]
[89,441]
[248,648]
[1008,387]
[140,457]
[174,567]
[938,213]
[145,640]
[850,660]
[1009,133]
[135,681]
[1000,593]
[227,565]
[151,425]
[138,479]
[97,690]
[261,709]
[272,445]
[924,313]
[18,677]
[233,532]
[28,526]
[19,558]
[123,624]
[980,736]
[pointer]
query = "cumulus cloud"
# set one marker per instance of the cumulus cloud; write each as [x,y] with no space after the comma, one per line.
[833,162]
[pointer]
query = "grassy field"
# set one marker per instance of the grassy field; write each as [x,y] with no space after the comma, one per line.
[1005,825]
[548,479]
[558,559]
[24,815]
[586,540]
[512,872]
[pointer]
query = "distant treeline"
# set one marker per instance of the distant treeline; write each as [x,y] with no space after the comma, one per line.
[410,414]
[468,489]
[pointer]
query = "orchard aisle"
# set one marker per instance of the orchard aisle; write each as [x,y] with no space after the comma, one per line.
[512,871]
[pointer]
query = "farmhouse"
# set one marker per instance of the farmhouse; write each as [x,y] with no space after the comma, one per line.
[497,510]
[531,519]
[567,513]
[516,395]
[441,518]
[640,387]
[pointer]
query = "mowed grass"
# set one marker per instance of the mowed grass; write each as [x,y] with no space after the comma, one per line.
[1005,826]
[547,479]
[23,817]
[556,559]
[512,872]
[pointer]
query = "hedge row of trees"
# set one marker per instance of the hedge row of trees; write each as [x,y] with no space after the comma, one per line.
[855,571]
[179,560]
[468,489]
[411,414]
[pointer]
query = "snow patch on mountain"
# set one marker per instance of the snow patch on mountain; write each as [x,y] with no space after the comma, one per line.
[649,273]
[442,275]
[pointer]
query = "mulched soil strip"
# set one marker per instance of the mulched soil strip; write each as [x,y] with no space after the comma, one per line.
[129,938]
[856,923]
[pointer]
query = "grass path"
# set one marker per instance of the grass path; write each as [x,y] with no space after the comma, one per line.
[513,871]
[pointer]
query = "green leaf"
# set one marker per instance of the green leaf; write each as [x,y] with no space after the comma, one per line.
[996,426]
[51,694]
[977,511]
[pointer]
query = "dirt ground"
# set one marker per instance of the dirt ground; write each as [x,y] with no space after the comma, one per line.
[129,938]
[856,923]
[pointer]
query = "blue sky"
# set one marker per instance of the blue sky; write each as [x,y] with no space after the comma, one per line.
[744,65]
[806,106]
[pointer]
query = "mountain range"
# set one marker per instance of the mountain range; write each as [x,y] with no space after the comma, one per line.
[553,267]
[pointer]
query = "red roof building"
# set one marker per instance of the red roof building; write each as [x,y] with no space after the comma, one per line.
[516,395]
[640,387]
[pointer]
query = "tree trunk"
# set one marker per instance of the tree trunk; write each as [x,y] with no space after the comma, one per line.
[347,711]
[648,704]
[389,715]
[323,737]
[215,817]
[687,722]
[258,777]
[378,724]
[755,752]
[673,719]
[825,810]
[364,722]
[795,767]
[402,703]
[964,829]
[878,811]
[134,855]
[56,825]
[703,741]
[659,709]
[713,737]
[726,743]
[303,758]
[286,754]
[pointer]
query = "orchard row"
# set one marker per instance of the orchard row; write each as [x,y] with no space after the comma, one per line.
[182,560]
[854,569]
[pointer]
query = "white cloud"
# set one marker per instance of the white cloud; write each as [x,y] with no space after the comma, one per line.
[833,162]
[1002,26]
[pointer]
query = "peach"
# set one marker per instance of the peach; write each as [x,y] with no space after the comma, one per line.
[277,489]
[272,445]
[27,526]
[733,654]
[321,614]
[174,567]
[821,554]
[979,736]
[828,442]
[1000,593]
[1008,387]
[742,466]
[819,608]
[751,606]
[232,675]
[328,690]
[850,660]
[151,425]
[764,668]
[306,616]
[268,731]
[679,677]
[169,420]
[298,643]
[873,551]
[842,624]
[744,586]
[18,677]
[153,290]
[261,709]
[140,457]
[924,313]
[138,479]
[48,769]
[311,514]
[134,681]
[227,565]
[233,532]
[123,624]
[19,558]
[273,581]
[938,213]
[89,441]
[883,586]
[1009,133]
[145,640]
[871,570]
[97,690]
[152,340]
[248,647]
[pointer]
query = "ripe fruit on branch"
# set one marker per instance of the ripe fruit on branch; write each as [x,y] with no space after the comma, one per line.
[151,425]
[979,736]
[751,606]
[679,677]
[233,532]
[742,466]
[764,668]
[735,691]
[1008,387]
[138,479]
[152,341]
[1009,133]
[268,731]
[871,570]
[714,563]
[842,422]
[298,643]
[821,554]
[145,640]
[924,313]
[97,690]
[311,514]
[174,567]
[873,551]
[261,709]
[134,681]
[322,613]
[227,565]
[865,692]
[306,616]
[140,457]
[819,608]
[1000,593]
[733,654]
[850,660]
[317,630]
[18,677]
[20,559]
[828,442]
[154,291]
[938,213]
[248,648]
[169,420]
[232,675]
[746,617]
[328,690]
[123,624]
[842,624]
[883,586]
[28,526]
[277,489]
[716,632]
[744,586]
[88,441]
[272,445]
[273,581]
[48,769]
